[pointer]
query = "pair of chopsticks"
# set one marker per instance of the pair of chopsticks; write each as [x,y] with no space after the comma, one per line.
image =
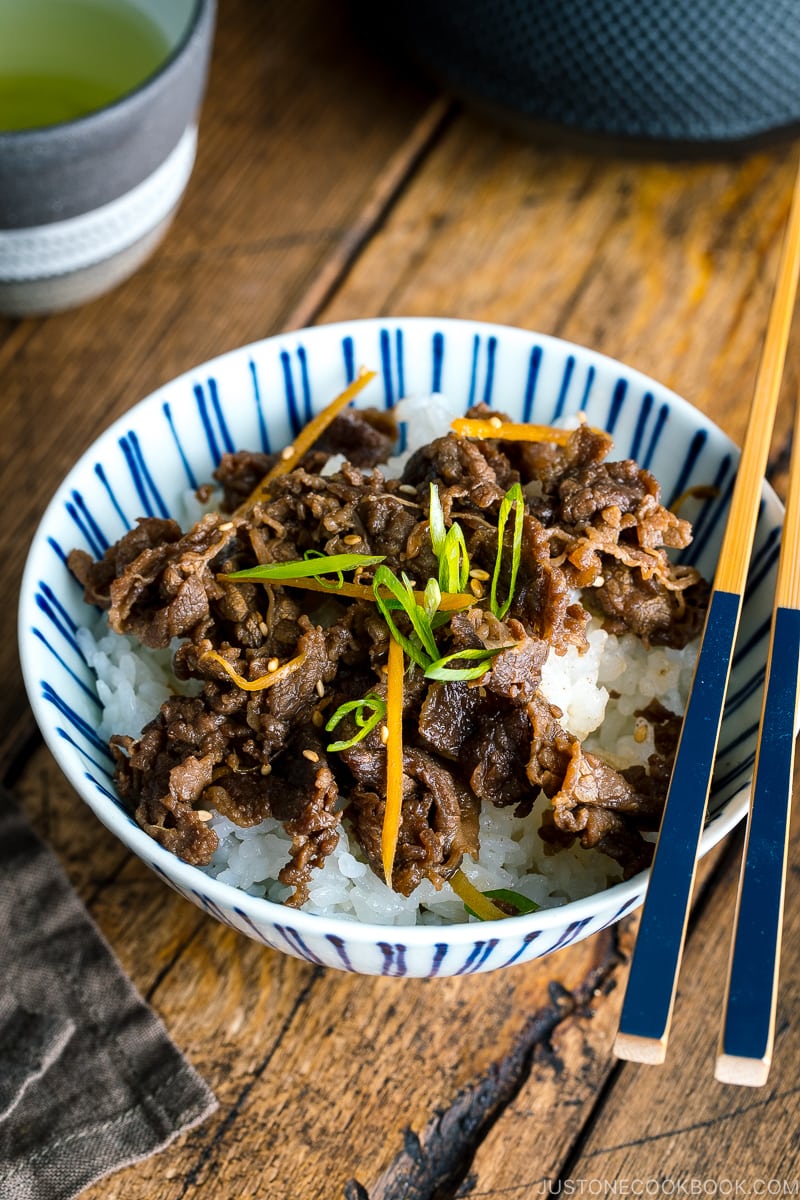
[748,1027]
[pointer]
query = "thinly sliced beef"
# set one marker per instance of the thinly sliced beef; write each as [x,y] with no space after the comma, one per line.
[439,820]
[589,798]
[260,750]
[365,436]
[658,615]
[148,543]
[496,757]
[304,795]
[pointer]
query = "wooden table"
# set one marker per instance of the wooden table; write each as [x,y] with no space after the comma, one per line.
[331,185]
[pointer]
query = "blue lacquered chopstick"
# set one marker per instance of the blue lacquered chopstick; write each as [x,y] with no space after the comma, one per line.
[650,994]
[748,1029]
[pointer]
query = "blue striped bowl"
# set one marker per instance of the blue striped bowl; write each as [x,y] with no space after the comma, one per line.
[258,397]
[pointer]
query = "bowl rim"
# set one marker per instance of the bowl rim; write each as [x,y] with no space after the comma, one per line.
[624,895]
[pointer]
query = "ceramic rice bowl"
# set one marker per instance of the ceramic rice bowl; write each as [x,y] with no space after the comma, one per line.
[258,397]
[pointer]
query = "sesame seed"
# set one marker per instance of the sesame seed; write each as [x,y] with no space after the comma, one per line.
[317,718]
[320,686]
[352,539]
[287,452]
[640,732]
[384,734]
[599,582]
[266,769]
[479,573]
[311,755]
[203,814]
[476,588]
[226,525]
[495,423]
[263,628]
[272,665]
[408,489]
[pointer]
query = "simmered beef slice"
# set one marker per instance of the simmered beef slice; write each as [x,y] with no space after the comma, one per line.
[659,615]
[439,822]
[272,713]
[471,471]
[365,437]
[162,775]
[547,463]
[496,758]
[307,511]
[157,583]
[589,798]
[191,759]
[449,717]
[239,474]
[300,790]
[148,544]
[654,780]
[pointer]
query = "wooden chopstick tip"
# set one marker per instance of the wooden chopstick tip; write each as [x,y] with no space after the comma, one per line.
[634,1048]
[747,1072]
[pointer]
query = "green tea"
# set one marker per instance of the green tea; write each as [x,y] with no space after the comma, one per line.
[61,59]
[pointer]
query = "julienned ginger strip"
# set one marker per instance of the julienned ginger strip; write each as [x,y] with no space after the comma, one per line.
[450,601]
[481,905]
[508,431]
[263,681]
[394,759]
[305,439]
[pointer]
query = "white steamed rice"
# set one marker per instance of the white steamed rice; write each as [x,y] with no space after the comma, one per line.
[599,693]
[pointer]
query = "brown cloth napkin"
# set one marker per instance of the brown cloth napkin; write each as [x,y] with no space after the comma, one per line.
[89,1079]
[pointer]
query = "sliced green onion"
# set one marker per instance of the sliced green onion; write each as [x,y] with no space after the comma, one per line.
[449,546]
[432,598]
[454,561]
[403,592]
[515,498]
[436,521]
[328,583]
[372,702]
[514,899]
[440,670]
[420,620]
[305,568]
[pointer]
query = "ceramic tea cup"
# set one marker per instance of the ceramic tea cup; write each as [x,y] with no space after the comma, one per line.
[84,201]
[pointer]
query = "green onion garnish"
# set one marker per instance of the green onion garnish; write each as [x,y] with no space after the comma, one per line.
[328,583]
[449,546]
[440,670]
[425,651]
[372,703]
[515,498]
[305,568]
[431,599]
[454,561]
[436,521]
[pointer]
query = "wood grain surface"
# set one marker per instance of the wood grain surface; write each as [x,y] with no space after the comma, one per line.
[332,184]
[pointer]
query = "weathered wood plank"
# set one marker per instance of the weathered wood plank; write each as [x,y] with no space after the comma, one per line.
[303,133]
[676,1122]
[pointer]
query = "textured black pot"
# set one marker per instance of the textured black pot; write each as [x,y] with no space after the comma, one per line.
[665,74]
